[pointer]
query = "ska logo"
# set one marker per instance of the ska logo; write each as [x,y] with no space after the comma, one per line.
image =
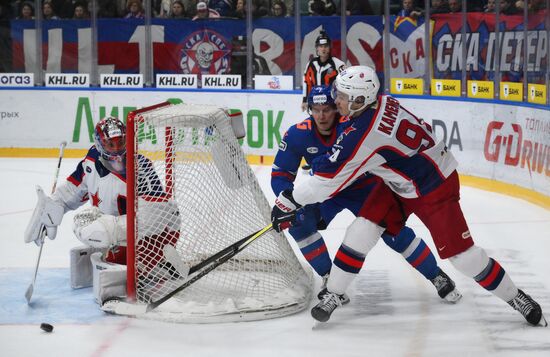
[205,51]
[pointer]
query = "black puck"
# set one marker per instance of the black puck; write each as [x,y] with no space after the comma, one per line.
[46,327]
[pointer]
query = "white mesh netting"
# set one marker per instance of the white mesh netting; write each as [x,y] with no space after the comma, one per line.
[199,196]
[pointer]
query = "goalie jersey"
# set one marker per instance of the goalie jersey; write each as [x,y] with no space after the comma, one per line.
[387,141]
[93,181]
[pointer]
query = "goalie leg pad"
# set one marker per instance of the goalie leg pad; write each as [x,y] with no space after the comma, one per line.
[81,266]
[108,279]
[46,215]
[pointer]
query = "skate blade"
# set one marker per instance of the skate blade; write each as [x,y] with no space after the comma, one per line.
[453,297]
[543,322]
[317,325]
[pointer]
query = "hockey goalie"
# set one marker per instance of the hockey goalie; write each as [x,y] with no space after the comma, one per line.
[100,178]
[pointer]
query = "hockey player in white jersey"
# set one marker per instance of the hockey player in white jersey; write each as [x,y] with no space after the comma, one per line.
[100,178]
[420,174]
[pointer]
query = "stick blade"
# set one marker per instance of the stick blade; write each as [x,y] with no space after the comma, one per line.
[119,307]
[28,293]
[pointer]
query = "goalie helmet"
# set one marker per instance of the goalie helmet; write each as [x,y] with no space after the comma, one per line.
[359,83]
[110,141]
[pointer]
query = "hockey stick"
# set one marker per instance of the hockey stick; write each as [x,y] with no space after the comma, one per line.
[124,308]
[30,289]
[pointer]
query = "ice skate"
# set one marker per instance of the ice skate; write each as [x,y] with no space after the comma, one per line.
[446,287]
[529,308]
[344,298]
[322,311]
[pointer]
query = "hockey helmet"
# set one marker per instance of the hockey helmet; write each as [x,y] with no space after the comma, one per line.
[322,39]
[320,95]
[110,139]
[359,83]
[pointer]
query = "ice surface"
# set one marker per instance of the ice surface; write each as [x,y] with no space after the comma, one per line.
[394,311]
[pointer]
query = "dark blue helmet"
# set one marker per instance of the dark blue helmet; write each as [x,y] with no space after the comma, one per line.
[320,95]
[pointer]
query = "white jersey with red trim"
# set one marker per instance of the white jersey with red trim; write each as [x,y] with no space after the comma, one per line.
[387,141]
[92,181]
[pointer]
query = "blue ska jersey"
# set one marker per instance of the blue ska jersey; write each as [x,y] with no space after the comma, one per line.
[93,182]
[387,141]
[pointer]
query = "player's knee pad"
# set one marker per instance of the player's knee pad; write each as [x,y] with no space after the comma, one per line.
[402,241]
[109,279]
[471,262]
[362,235]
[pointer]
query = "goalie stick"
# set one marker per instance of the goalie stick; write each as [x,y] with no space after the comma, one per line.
[119,307]
[30,289]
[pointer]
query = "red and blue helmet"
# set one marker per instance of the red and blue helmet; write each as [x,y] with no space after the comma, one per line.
[110,139]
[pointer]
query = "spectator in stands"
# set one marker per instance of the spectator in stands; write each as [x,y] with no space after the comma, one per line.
[321,7]
[163,8]
[534,6]
[260,8]
[289,5]
[223,7]
[47,11]
[455,6]
[80,12]
[440,7]
[278,9]
[240,9]
[65,8]
[491,6]
[177,11]
[359,7]
[135,10]
[204,12]
[190,7]
[409,10]
[27,12]
[508,7]
[106,9]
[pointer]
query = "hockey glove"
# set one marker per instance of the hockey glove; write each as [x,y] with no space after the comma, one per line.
[46,217]
[283,215]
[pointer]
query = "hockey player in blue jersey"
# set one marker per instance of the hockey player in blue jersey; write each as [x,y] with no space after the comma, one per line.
[314,137]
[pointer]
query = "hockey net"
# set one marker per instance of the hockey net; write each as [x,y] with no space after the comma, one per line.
[192,192]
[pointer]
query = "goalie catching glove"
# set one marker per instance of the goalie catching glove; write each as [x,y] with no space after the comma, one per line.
[284,213]
[99,230]
[47,215]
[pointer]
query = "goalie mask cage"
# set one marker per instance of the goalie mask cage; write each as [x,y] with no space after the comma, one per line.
[207,199]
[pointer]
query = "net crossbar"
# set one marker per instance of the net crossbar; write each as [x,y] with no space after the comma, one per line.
[194,193]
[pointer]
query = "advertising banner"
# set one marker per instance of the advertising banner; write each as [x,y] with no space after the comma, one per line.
[481,46]
[507,143]
[72,114]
